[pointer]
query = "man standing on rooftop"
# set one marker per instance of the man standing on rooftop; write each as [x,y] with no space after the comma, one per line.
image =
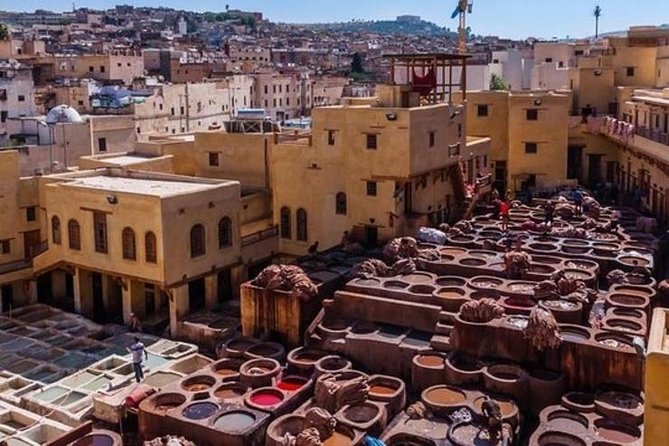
[136,349]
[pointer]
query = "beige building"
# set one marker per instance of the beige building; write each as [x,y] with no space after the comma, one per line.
[152,244]
[641,134]
[17,95]
[102,67]
[283,96]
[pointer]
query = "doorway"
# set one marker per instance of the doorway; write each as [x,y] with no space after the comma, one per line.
[575,163]
[594,169]
[225,292]
[7,298]
[98,298]
[371,236]
[500,176]
[196,295]
[44,289]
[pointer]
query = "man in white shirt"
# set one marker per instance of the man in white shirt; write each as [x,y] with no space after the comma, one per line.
[136,349]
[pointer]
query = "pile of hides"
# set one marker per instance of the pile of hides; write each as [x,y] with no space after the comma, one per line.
[542,330]
[287,278]
[481,311]
[561,286]
[332,395]
[370,268]
[319,425]
[407,248]
[570,232]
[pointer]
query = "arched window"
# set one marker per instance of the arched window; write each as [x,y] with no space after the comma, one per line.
[302,225]
[224,233]
[341,203]
[74,235]
[55,229]
[197,241]
[286,231]
[128,238]
[150,250]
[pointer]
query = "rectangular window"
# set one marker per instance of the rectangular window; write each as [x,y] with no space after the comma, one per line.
[102,68]
[331,137]
[91,69]
[532,114]
[22,98]
[181,110]
[5,246]
[371,141]
[371,188]
[482,110]
[3,116]
[531,147]
[31,213]
[266,90]
[172,111]
[213,159]
[102,144]
[630,71]
[100,231]
[431,139]
[549,59]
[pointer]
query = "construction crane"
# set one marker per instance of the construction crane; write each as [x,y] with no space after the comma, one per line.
[464,7]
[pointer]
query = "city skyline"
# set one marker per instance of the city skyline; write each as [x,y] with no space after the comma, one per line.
[514,19]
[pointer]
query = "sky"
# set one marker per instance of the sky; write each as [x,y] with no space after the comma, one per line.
[504,18]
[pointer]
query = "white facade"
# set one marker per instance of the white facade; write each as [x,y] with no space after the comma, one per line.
[17,94]
[514,66]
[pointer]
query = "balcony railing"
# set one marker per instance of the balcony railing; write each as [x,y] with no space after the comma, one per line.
[17,265]
[654,135]
[259,236]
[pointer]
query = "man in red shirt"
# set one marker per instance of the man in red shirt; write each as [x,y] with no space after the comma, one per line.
[504,209]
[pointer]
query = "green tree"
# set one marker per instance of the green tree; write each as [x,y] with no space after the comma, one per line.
[356,64]
[497,83]
[4,32]
[597,13]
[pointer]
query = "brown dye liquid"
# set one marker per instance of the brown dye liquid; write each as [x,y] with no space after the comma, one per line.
[431,360]
[449,294]
[226,372]
[416,278]
[505,407]
[445,396]
[380,389]
[337,439]
[197,387]
[505,376]
[227,393]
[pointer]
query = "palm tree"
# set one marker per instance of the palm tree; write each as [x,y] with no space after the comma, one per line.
[597,13]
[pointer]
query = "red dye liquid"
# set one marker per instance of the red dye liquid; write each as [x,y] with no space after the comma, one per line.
[266,399]
[290,384]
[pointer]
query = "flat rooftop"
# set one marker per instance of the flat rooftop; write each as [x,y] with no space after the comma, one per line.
[153,187]
[127,160]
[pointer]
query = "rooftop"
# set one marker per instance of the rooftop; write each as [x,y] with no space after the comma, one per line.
[144,186]
[127,159]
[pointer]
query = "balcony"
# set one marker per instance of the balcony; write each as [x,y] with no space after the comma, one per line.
[653,135]
[259,236]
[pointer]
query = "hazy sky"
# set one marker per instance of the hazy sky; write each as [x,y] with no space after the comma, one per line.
[507,18]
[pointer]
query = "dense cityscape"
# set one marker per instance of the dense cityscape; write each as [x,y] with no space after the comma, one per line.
[219,229]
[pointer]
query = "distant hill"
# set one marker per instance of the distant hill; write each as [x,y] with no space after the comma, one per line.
[413,27]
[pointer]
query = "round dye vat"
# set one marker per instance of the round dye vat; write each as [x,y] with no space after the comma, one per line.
[430,360]
[553,438]
[382,389]
[291,383]
[451,293]
[338,439]
[417,278]
[198,383]
[566,421]
[235,421]
[169,401]
[361,413]
[445,396]
[470,434]
[610,433]
[266,398]
[95,440]
[200,411]
[228,393]
[226,372]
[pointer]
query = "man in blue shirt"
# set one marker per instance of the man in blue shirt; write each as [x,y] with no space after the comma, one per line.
[136,349]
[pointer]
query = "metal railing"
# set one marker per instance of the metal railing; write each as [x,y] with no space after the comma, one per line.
[259,236]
